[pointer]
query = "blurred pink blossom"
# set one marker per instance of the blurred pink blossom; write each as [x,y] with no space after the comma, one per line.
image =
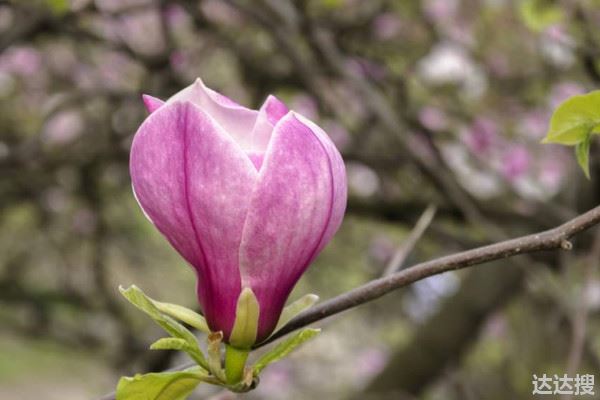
[366,68]
[63,128]
[178,60]
[440,10]
[515,162]
[141,31]
[386,25]
[381,248]
[370,362]
[175,14]
[481,136]
[433,118]
[557,32]
[362,180]
[23,61]
[534,123]
[276,379]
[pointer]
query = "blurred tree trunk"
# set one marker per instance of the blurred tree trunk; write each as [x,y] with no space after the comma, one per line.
[443,339]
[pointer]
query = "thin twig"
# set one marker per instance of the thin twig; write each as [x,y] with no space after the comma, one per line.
[409,244]
[556,238]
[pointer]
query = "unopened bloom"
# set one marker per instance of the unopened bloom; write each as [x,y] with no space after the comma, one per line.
[249,198]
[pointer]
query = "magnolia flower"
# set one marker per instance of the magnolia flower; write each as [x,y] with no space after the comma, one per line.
[249,198]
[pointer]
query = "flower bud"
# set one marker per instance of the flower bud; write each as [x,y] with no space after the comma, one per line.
[249,198]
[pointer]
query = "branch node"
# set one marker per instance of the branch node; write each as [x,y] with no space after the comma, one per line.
[566,245]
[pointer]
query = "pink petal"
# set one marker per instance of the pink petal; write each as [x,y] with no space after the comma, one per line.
[236,120]
[275,109]
[339,181]
[269,114]
[295,209]
[152,103]
[195,183]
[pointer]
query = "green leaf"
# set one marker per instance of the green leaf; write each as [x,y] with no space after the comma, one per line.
[169,344]
[184,314]
[538,15]
[582,151]
[160,386]
[284,348]
[174,328]
[243,334]
[575,119]
[296,308]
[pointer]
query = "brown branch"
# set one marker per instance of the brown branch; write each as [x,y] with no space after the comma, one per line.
[556,238]
[551,239]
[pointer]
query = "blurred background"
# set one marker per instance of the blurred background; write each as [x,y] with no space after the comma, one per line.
[432,103]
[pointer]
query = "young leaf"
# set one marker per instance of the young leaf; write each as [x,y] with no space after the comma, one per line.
[160,386]
[169,344]
[574,119]
[174,328]
[582,151]
[296,308]
[243,334]
[284,348]
[184,314]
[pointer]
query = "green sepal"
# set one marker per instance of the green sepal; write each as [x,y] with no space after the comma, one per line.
[284,348]
[183,314]
[296,308]
[575,119]
[177,385]
[174,328]
[245,327]
[582,152]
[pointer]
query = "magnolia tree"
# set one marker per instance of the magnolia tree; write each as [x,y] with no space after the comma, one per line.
[381,142]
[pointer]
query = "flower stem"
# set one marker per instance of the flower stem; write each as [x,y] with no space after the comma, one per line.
[235,361]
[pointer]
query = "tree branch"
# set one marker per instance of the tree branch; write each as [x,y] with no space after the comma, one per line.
[551,239]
